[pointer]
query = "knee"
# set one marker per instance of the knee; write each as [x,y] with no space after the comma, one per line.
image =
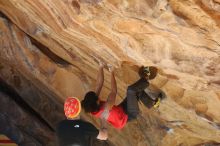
[132,116]
[133,112]
[130,89]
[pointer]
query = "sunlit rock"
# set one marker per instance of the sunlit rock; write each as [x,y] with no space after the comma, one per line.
[49,50]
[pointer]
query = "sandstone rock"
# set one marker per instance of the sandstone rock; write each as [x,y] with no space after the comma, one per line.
[48,51]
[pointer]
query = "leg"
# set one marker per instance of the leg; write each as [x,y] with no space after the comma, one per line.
[139,85]
[132,104]
[146,100]
[123,104]
[150,99]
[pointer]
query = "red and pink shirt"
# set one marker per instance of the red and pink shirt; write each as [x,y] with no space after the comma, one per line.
[116,116]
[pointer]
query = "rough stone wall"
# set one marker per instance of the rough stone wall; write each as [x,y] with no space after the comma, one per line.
[48,51]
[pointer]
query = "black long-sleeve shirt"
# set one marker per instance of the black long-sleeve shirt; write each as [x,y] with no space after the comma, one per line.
[76,133]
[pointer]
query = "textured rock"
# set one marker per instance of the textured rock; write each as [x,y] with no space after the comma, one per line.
[48,51]
[25,129]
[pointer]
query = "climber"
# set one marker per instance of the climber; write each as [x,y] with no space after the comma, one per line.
[127,110]
[74,131]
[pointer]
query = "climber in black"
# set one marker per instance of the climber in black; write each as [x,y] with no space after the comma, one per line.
[76,132]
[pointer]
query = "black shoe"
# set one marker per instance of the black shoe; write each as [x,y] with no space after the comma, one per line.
[144,71]
[162,95]
[146,100]
[149,72]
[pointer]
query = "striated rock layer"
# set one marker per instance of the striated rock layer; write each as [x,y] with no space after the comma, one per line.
[48,51]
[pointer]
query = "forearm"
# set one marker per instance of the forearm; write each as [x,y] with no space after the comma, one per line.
[103,133]
[100,80]
[103,123]
[113,83]
[113,93]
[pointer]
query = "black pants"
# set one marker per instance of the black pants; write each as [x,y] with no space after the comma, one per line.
[130,103]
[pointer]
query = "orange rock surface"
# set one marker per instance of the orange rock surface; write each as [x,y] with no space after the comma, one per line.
[48,51]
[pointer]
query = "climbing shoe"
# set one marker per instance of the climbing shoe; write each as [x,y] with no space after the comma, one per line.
[157,103]
[148,71]
[144,71]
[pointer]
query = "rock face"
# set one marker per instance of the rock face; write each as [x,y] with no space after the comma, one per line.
[48,51]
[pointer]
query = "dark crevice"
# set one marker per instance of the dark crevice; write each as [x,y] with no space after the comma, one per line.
[211,143]
[3,15]
[46,51]
[90,1]
[8,90]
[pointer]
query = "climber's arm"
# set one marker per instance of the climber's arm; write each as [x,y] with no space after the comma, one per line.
[103,133]
[112,96]
[100,79]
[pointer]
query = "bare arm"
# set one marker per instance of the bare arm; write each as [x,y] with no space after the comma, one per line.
[103,133]
[100,80]
[113,93]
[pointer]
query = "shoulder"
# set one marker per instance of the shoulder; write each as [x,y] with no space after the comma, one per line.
[86,124]
[62,123]
[65,123]
[89,129]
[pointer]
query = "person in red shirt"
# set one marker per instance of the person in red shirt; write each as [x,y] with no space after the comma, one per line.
[127,110]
